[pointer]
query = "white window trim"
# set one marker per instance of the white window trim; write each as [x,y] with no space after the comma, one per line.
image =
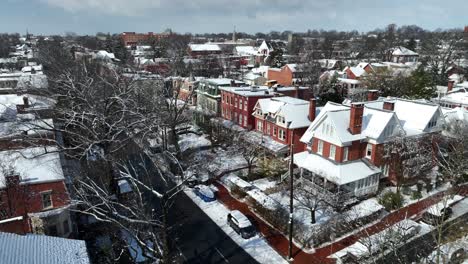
[51,200]
[367,151]
[345,153]
[320,147]
[332,154]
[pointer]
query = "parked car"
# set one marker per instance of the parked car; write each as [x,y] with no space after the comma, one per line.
[204,192]
[241,224]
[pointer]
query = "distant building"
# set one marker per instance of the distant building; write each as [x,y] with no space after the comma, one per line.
[289,74]
[465,32]
[133,39]
[403,55]
[200,50]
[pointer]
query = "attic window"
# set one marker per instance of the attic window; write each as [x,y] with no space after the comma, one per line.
[432,123]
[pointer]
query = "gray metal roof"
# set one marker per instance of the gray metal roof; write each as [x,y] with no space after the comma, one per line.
[40,249]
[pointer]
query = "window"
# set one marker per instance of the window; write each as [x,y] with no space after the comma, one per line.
[345,153]
[259,125]
[46,199]
[320,147]
[245,105]
[433,122]
[281,119]
[282,134]
[274,131]
[245,120]
[235,102]
[369,151]
[332,152]
[52,230]
[240,119]
[240,104]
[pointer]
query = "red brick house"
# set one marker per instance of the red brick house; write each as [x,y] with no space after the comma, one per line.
[346,145]
[284,119]
[238,103]
[287,75]
[33,194]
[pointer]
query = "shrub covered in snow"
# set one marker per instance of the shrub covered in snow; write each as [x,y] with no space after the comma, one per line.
[391,200]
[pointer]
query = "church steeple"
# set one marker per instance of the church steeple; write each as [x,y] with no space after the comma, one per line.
[234,39]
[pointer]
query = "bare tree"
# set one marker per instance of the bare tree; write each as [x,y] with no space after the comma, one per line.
[250,152]
[309,200]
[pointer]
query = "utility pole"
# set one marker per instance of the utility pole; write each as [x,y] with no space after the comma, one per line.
[291,208]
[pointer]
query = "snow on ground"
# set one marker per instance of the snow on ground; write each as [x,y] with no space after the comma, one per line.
[363,209]
[449,248]
[256,246]
[192,142]
[264,184]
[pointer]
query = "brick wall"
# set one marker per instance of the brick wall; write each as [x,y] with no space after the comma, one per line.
[283,77]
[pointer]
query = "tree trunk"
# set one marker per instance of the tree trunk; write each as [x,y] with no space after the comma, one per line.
[175,140]
[312,216]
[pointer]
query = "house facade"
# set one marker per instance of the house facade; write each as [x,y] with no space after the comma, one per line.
[33,192]
[238,103]
[287,75]
[348,147]
[284,119]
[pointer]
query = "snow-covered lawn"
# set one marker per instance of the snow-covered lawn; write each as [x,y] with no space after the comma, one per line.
[408,199]
[256,246]
[264,184]
[192,142]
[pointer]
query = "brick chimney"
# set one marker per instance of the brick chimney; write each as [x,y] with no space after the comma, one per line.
[390,106]
[450,86]
[296,91]
[312,109]
[25,101]
[372,95]
[355,118]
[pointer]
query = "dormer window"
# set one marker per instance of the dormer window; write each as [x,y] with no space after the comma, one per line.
[432,123]
[369,151]
[281,119]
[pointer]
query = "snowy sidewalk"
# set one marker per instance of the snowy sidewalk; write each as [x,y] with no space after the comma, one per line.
[256,246]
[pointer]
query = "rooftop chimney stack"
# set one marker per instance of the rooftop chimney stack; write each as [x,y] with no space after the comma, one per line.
[372,95]
[450,86]
[312,109]
[296,91]
[355,119]
[388,105]
[25,101]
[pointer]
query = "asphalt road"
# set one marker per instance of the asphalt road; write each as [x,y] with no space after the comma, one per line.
[195,237]
[200,240]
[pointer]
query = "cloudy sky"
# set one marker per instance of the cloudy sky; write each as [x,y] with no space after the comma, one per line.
[198,16]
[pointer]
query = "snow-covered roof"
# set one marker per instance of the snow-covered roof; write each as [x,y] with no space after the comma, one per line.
[457,96]
[357,71]
[437,208]
[350,81]
[292,67]
[245,50]
[124,186]
[402,51]
[222,81]
[414,116]
[295,111]
[8,104]
[455,114]
[375,121]
[330,106]
[338,173]
[102,54]
[37,68]
[31,127]
[41,249]
[34,165]
[204,47]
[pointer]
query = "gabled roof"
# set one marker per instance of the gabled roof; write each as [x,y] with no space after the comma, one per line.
[295,111]
[357,71]
[330,106]
[402,51]
[414,116]
[40,249]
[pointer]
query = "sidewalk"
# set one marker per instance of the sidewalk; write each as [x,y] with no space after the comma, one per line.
[280,243]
